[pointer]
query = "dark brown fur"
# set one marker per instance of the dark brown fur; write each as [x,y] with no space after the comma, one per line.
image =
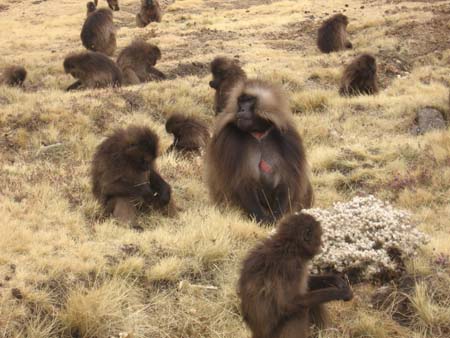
[13,76]
[332,35]
[137,63]
[190,134]
[91,7]
[226,73]
[113,4]
[276,291]
[99,33]
[150,12]
[124,177]
[234,158]
[93,70]
[360,77]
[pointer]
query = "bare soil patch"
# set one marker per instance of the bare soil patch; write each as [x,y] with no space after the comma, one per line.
[187,69]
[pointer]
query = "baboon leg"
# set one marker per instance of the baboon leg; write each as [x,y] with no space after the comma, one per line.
[76,85]
[125,211]
[298,326]
[251,204]
[281,201]
[155,73]
[130,77]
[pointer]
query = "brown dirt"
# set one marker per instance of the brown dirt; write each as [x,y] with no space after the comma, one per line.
[293,36]
[187,69]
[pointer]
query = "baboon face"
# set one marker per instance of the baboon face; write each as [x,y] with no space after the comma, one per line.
[113,4]
[371,64]
[149,2]
[141,151]
[71,68]
[154,54]
[246,118]
[308,231]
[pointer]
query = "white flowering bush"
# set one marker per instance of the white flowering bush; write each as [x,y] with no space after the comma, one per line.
[360,235]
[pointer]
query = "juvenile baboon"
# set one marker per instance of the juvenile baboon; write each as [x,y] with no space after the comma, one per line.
[113,4]
[276,291]
[360,77]
[255,159]
[226,72]
[13,76]
[150,12]
[124,176]
[137,63]
[332,35]
[93,70]
[190,134]
[99,33]
[91,7]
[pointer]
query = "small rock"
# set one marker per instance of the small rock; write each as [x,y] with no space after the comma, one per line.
[428,119]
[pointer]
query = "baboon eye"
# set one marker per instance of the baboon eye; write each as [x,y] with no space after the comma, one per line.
[308,234]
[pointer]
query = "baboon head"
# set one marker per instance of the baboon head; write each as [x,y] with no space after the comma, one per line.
[221,67]
[114,5]
[140,148]
[369,63]
[149,2]
[306,230]
[342,19]
[91,7]
[72,66]
[154,54]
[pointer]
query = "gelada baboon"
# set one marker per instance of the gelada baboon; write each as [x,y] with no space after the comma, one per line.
[190,134]
[226,72]
[360,77]
[150,12]
[99,33]
[332,35]
[137,63]
[13,76]
[124,176]
[91,6]
[256,158]
[92,70]
[277,293]
[113,4]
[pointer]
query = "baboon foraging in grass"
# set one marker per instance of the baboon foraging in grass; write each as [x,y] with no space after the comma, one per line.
[255,159]
[113,4]
[360,77]
[92,70]
[332,35]
[137,63]
[91,7]
[150,12]
[226,72]
[124,176]
[99,33]
[276,291]
[190,134]
[13,76]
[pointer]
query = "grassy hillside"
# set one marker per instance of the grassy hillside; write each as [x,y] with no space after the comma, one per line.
[67,272]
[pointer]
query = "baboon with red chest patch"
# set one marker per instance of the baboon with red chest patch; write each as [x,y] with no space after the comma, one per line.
[332,35]
[276,291]
[124,175]
[150,12]
[226,73]
[137,63]
[256,159]
[360,77]
[98,33]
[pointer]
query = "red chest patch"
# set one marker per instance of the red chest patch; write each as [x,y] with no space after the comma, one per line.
[265,167]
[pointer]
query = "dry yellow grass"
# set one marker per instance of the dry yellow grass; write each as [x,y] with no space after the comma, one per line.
[83,276]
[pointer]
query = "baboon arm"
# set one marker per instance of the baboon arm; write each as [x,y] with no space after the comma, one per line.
[123,188]
[313,298]
[324,281]
[155,72]
[77,84]
[160,187]
[281,200]
[251,204]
